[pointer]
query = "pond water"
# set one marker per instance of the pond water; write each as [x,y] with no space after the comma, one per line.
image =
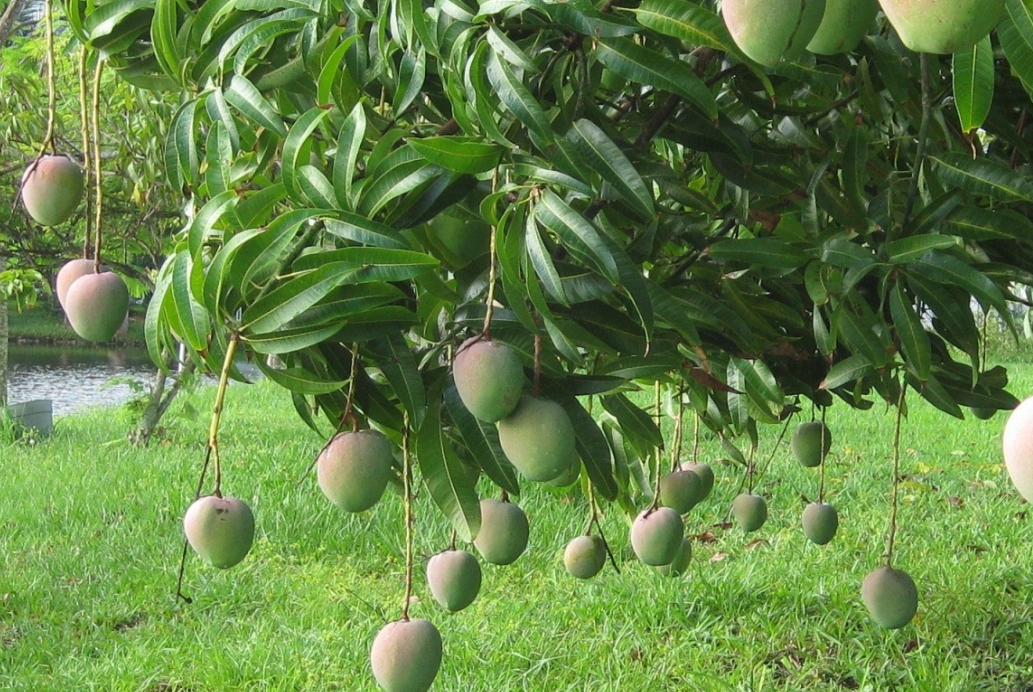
[74,378]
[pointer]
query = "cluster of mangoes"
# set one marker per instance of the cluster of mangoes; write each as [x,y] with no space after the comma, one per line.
[772,31]
[96,302]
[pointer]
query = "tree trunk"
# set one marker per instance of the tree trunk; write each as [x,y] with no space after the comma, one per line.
[159,402]
[9,20]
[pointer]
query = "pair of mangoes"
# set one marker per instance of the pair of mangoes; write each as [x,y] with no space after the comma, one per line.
[770,31]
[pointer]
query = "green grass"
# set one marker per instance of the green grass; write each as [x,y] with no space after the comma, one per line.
[90,538]
[47,325]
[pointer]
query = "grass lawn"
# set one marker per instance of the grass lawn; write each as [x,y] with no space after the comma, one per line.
[90,537]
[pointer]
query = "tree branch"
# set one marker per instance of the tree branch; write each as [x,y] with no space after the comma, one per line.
[9,18]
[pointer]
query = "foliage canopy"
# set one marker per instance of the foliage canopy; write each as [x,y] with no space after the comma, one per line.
[660,209]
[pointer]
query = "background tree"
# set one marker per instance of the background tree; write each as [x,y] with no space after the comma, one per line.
[140,214]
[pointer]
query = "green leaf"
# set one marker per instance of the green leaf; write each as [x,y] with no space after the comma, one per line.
[581,16]
[1015,32]
[975,223]
[604,157]
[841,252]
[953,312]
[294,144]
[983,176]
[674,311]
[398,175]
[346,302]
[245,97]
[290,340]
[104,19]
[458,155]
[192,318]
[935,393]
[636,423]
[857,332]
[974,84]
[911,248]
[646,66]
[258,258]
[315,189]
[399,367]
[846,371]
[155,329]
[448,482]
[688,22]
[181,160]
[331,73]
[371,264]
[518,100]
[164,26]
[256,208]
[577,234]
[412,73]
[482,439]
[542,262]
[592,447]
[504,46]
[349,142]
[758,252]
[300,380]
[762,390]
[914,341]
[209,16]
[292,297]
[484,99]
[218,161]
[947,269]
[207,217]
[359,229]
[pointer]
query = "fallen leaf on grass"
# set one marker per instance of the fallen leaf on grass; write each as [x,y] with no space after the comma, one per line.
[756,542]
[717,557]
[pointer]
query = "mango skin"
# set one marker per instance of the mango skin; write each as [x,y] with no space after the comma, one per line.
[584,556]
[811,443]
[51,189]
[489,378]
[942,26]
[1017,443]
[705,473]
[820,522]
[843,26]
[570,476]
[406,655]
[454,579]
[656,536]
[504,531]
[538,439]
[97,305]
[770,31]
[750,511]
[66,276]
[354,469]
[890,596]
[681,560]
[681,490]
[220,529]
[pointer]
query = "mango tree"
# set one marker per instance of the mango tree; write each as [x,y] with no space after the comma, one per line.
[615,191]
